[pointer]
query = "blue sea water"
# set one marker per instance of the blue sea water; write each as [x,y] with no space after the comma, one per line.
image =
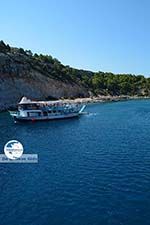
[94,170]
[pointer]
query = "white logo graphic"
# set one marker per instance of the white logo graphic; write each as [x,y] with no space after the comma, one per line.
[14,154]
[13,149]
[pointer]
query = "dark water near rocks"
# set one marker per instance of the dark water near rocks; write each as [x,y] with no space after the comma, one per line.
[94,170]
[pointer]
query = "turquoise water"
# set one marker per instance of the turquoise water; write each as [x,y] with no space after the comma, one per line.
[94,170]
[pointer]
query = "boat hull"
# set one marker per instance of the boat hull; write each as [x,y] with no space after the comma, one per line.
[44,118]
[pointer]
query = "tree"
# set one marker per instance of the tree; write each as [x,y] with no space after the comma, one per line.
[21,51]
[3,47]
[29,53]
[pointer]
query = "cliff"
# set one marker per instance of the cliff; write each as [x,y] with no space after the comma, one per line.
[43,77]
[23,75]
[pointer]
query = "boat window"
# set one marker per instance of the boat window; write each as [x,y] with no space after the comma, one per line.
[28,106]
[33,114]
[44,113]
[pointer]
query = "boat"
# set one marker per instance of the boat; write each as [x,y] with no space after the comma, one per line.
[29,110]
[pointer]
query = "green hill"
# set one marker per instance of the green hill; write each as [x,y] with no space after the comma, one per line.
[42,76]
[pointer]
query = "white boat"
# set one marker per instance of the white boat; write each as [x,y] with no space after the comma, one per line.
[46,110]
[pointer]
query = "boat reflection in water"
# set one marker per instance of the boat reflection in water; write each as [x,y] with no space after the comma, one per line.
[46,110]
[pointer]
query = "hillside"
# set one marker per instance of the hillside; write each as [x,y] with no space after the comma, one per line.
[44,77]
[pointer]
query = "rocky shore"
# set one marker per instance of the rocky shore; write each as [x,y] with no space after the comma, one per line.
[102,99]
[42,77]
[88,100]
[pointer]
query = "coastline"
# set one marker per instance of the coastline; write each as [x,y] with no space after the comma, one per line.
[102,99]
[88,100]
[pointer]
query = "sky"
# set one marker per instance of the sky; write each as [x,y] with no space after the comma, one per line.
[97,35]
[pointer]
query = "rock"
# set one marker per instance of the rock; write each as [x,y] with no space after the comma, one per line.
[21,76]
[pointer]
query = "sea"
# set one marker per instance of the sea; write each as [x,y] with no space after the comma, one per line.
[92,170]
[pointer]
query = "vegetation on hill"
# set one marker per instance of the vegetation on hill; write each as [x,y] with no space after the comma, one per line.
[99,83]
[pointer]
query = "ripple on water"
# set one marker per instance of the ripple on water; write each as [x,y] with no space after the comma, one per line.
[92,170]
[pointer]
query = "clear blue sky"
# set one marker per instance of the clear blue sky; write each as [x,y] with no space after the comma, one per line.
[98,35]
